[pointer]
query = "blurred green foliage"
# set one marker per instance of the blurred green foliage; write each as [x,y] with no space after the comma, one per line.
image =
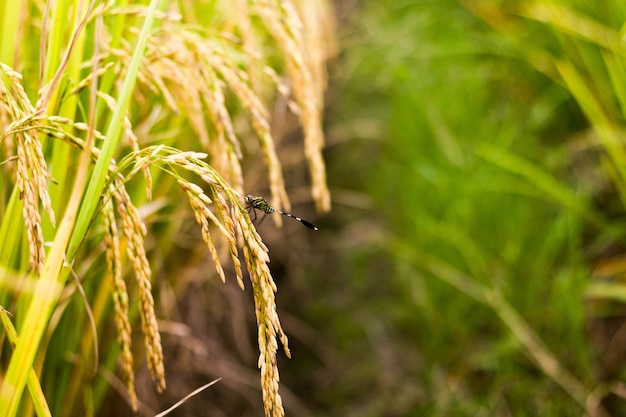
[467,163]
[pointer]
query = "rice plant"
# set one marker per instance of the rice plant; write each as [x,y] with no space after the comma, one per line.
[105,109]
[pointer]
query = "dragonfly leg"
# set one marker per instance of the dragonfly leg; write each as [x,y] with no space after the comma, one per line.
[252,214]
[262,218]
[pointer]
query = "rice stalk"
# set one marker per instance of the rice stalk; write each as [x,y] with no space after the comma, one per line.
[231,216]
[198,201]
[32,176]
[268,324]
[120,300]
[134,229]
[285,25]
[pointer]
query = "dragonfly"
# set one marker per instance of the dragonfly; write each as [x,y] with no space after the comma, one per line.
[259,203]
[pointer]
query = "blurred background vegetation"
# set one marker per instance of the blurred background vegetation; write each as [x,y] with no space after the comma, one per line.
[473,261]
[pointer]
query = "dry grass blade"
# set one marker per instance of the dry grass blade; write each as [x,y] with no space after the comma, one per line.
[188,396]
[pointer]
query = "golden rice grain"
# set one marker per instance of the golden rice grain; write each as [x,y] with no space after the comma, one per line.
[120,300]
[134,230]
